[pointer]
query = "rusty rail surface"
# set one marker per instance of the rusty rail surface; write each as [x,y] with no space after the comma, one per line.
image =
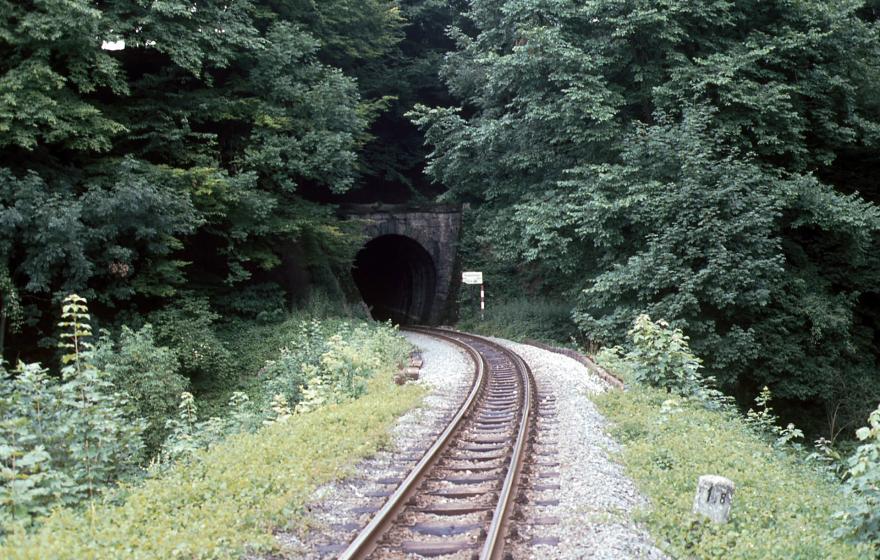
[442,506]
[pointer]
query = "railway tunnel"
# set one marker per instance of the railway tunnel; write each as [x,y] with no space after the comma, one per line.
[404,270]
[397,279]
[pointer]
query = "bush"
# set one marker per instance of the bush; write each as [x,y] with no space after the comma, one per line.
[263,303]
[297,362]
[660,356]
[316,363]
[328,362]
[189,435]
[537,318]
[147,374]
[188,328]
[62,441]
[223,503]
[670,441]
[862,519]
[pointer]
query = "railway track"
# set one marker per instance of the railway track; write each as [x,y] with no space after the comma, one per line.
[459,498]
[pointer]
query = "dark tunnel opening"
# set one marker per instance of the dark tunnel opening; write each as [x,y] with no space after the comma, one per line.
[397,279]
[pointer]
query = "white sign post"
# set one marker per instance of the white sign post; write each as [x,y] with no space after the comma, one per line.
[476,278]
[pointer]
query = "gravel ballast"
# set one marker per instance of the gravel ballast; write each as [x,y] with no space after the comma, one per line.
[596,499]
[589,498]
[339,510]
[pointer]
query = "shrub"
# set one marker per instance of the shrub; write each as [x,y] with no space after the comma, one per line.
[223,503]
[666,440]
[660,356]
[862,519]
[263,303]
[318,363]
[188,328]
[765,423]
[327,362]
[298,361]
[147,374]
[62,441]
[538,318]
[188,434]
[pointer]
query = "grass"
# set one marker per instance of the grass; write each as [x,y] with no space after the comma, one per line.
[230,497]
[782,508]
[538,318]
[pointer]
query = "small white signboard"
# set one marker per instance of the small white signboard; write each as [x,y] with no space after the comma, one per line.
[472,277]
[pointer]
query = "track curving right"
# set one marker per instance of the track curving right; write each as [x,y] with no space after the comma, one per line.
[459,498]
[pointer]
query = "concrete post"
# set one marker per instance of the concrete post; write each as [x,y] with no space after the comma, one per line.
[713,498]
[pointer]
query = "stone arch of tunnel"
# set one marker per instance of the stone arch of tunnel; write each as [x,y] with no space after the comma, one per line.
[397,279]
[411,250]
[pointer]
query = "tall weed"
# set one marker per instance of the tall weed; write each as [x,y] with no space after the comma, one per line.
[861,520]
[63,441]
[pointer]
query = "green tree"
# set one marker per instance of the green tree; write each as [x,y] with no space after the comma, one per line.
[181,157]
[679,159]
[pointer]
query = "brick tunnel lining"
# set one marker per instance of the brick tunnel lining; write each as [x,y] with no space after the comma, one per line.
[397,279]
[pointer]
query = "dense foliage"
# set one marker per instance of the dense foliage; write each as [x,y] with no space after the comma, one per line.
[223,502]
[66,440]
[693,161]
[712,163]
[862,519]
[674,425]
[150,146]
[535,318]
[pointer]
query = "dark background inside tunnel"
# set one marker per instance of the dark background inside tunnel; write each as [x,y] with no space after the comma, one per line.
[396,277]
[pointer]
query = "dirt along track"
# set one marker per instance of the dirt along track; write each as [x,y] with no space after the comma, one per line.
[460,500]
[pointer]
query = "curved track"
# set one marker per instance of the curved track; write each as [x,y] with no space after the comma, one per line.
[459,497]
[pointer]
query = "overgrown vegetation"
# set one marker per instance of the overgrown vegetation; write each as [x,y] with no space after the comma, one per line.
[537,318]
[157,154]
[65,441]
[861,520]
[712,163]
[694,161]
[148,374]
[226,500]
[675,427]
[783,508]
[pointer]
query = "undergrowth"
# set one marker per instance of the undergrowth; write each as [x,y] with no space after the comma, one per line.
[537,318]
[675,426]
[782,508]
[67,442]
[228,498]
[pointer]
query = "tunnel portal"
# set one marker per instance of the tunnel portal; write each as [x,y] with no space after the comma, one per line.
[405,271]
[397,279]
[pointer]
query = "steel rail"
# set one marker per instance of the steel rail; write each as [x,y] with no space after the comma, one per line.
[368,538]
[493,546]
